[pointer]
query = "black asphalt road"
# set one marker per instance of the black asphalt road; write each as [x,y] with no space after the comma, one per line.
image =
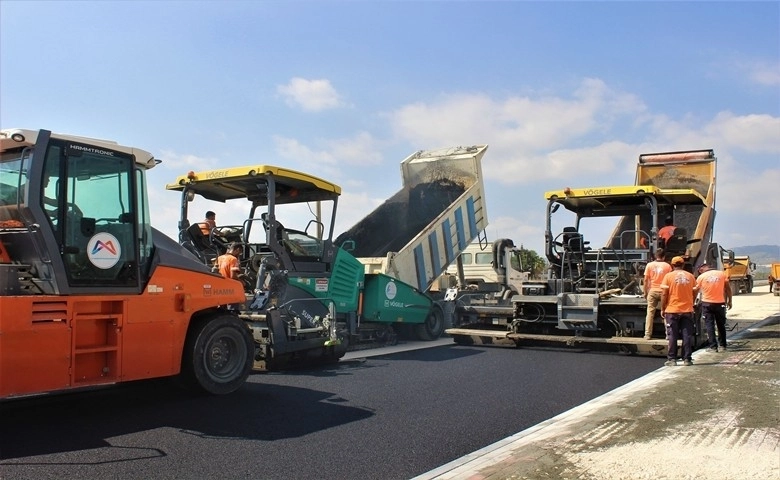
[388,417]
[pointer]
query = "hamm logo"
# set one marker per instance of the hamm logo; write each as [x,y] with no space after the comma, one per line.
[104,250]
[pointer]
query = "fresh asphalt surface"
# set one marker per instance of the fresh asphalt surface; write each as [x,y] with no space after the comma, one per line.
[385,417]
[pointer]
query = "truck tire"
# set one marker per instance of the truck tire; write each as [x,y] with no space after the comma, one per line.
[750,285]
[433,326]
[218,354]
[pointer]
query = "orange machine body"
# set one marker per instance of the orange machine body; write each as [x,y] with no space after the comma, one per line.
[50,343]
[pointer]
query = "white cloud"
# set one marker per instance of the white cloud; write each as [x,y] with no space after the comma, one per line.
[165,211]
[525,122]
[763,73]
[362,149]
[331,156]
[542,138]
[292,149]
[310,95]
[603,159]
[178,162]
[739,191]
[755,71]
[530,138]
[757,133]
[525,229]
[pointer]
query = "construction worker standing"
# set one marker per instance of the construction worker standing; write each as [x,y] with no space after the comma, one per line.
[678,292]
[715,300]
[654,274]
[228,263]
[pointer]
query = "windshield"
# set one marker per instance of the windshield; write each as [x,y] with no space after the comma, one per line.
[230,217]
[303,244]
[12,177]
[596,230]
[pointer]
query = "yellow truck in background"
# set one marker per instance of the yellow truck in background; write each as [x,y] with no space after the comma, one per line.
[740,273]
[774,278]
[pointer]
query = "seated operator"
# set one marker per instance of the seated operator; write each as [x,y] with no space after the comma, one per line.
[666,232]
[209,223]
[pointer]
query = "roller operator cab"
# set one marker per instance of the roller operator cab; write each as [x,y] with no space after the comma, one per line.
[90,293]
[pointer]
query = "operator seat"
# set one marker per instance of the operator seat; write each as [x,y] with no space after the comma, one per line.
[574,248]
[203,247]
[282,237]
[200,240]
[573,242]
[677,243]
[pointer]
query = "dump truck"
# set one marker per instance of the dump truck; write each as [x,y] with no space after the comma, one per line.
[740,272]
[91,294]
[417,233]
[476,268]
[469,283]
[593,296]
[307,298]
[774,278]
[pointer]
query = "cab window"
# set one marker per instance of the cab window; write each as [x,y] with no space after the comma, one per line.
[484,258]
[94,215]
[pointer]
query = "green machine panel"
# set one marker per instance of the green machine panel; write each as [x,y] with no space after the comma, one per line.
[393,301]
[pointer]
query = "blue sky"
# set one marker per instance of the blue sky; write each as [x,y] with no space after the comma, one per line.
[564,93]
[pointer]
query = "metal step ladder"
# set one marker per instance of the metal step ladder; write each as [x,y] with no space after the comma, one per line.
[578,311]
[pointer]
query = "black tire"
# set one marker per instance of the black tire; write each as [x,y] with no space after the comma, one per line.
[218,354]
[338,351]
[433,326]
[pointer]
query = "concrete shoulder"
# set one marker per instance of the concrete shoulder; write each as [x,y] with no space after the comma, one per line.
[719,418]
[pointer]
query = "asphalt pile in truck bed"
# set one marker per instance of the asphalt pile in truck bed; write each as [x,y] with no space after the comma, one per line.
[674,178]
[397,221]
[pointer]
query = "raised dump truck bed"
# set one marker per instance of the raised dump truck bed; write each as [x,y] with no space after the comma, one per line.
[422,228]
[673,174]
